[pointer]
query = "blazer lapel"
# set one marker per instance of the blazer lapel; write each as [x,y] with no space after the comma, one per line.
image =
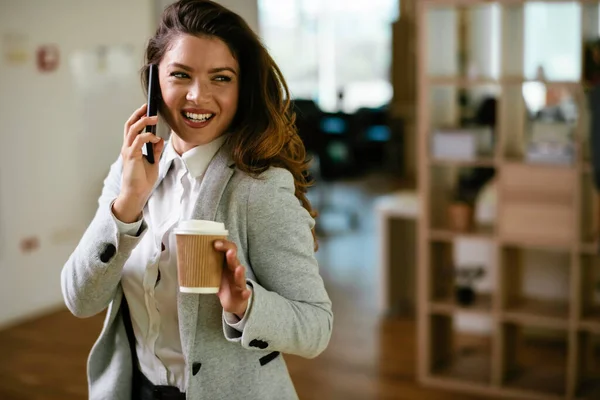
[213,185]
[215,181]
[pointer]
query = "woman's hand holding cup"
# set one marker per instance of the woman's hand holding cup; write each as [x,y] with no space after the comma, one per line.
[138,176]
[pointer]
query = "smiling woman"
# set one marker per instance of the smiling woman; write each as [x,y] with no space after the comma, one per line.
[233,157]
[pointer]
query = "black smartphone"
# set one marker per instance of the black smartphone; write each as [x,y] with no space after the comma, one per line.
[153,99]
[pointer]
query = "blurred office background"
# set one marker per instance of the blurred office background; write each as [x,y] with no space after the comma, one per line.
[452,176]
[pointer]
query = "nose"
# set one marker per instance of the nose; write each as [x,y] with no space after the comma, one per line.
[198,91]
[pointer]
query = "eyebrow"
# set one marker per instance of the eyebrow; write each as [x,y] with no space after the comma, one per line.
[211,71]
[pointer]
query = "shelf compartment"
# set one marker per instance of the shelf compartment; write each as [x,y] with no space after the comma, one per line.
[441,282]
[537,204]
[444,181]
[462,22]
[530,133]
[444,283]
[449,305]
[459,356]
[588,361]
[534,360]
[530,281]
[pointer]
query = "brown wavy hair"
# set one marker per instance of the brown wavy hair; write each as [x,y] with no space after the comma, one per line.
[263,131]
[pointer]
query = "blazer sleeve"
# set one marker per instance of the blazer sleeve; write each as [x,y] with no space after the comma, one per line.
[90,276]
[291,310]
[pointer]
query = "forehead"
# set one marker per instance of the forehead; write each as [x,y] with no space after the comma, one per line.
[200,52]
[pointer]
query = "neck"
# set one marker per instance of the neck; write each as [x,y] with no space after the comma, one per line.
[179,144]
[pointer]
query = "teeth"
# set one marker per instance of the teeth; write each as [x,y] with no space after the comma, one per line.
[198,117]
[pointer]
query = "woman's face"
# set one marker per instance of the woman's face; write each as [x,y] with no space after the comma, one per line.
[199,83]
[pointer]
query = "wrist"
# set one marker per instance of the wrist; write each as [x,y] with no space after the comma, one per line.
[241,311]
[126,210]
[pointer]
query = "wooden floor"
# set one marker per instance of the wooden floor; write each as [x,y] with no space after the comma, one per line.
[368,358]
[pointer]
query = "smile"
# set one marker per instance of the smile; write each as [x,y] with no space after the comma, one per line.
[197,117]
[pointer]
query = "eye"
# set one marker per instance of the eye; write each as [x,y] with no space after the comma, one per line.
[222,78]
[179,75]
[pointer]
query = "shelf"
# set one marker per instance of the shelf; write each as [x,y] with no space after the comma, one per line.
[521,161]
[462,82]
[465,82]
[547,220]
[542,313]
[534,243]
[449,306]
[448,162]
[515,80]
[447,235]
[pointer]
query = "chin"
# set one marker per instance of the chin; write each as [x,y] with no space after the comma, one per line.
[197,137]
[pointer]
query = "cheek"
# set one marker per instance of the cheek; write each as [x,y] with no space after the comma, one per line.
[170,97]
[229,102]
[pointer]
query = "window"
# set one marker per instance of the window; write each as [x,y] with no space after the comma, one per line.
[325,47]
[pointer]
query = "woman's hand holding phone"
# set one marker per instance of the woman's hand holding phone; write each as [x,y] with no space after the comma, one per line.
[139,176]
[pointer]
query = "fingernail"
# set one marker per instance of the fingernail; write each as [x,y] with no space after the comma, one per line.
[218,243]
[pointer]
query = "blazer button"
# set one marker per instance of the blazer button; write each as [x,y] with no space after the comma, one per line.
[108,253]
[195,368]
[259,344]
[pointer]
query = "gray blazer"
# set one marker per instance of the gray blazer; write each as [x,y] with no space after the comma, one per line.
[290,313]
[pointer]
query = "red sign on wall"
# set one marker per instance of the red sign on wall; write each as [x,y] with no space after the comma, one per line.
[48,58]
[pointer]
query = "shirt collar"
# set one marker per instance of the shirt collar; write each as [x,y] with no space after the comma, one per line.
[196,160]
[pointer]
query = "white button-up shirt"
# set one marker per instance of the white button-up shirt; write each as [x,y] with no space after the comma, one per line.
[150,277]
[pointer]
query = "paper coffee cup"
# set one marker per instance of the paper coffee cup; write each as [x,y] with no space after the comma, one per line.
[199,265]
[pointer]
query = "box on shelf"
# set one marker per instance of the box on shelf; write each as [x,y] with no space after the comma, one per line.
[462,143]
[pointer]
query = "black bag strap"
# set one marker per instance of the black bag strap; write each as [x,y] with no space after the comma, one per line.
[131,339]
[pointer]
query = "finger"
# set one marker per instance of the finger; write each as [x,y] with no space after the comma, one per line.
[137,114]
[230,250]
[232,260]
[138,128]
[158,148]
[141,139]
[239,277]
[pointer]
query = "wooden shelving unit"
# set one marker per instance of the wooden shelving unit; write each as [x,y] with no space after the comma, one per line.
[534,347]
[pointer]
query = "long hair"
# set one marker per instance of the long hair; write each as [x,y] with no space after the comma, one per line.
[263,131]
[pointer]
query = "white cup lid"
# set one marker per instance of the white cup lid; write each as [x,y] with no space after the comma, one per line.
[196,226]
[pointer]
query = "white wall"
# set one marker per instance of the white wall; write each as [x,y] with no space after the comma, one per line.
[54,151]
[58,138]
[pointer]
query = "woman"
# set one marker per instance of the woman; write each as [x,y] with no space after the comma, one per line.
[234,157]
